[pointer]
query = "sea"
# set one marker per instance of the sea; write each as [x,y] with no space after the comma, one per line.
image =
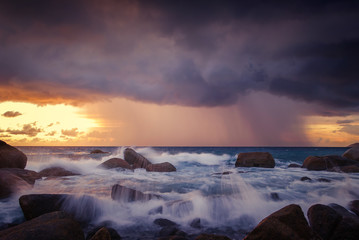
[206,194]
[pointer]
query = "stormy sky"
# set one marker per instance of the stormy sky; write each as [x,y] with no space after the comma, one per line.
[184,53]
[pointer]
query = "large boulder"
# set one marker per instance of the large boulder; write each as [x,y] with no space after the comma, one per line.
[55,225]
[124,194]
[352,154]
[100,233]
[318,163]
[205,236]
[286,223]
[115,163]
[333,222]
[135,159]
[56,172]
[34,205]
[11,183]
[11,157]
[354,207]
[255,159]
[27,175]
[161,167]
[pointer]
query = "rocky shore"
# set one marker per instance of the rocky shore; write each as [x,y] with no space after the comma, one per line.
[48,216]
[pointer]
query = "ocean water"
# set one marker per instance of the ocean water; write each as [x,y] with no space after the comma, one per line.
[231,204]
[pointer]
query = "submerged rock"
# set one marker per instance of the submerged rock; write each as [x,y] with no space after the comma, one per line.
[34,205]
[163,222]
[196,223]
[56,172]
[55,225]
[352,154]
[286,223]
[11,157]
[124,194]
[255,159]
[274,196]
[161,167]
[115,163]
[294,165]
[135,159]
[98,151]
[317,163]
[305,178]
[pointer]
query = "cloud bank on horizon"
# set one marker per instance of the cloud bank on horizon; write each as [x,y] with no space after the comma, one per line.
[193,53]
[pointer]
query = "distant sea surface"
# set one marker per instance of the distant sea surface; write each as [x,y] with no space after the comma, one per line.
[231,204]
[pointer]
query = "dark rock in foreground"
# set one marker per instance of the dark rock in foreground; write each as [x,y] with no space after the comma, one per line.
[205,236]
[115,163]
[124,194]
[101,232]
[56,172]
[255,159]
[135,159]
[34,205]
[286,223]
[333,222]
[11,157]
[161,167]
[354,207]
[334,163]
[55,225]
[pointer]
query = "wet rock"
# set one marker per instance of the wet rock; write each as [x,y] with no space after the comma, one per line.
[171,231]
[56,172]
[112,233]
[348,169]
[98,151]
[115,163]
[11,157]
[27,175]
[205,236]
[323,180]
[124,194]
[286,223]
[11,183]
[102,234]
[305,178]
[323,220]
[326,162]
[274,196]
[55,225]
[162,222]
[135,159]
[161,167]
[196,223]
[255,159]
[348,227]
[354,207]
[294,165]
[34,205]
[352,154]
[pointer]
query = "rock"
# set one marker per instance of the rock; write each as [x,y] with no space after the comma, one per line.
[205,236]
[124,194]
[348,227]
[354,206]
[162,222]
[115,163]
[354,145]
[11,157]
[56,172]
[169,231]
[161,167]
[135,159]
[305,178]
[98,151]
[323,220]
[102,234]
[255,159]
[113,233]
[274,196]
[27,175]
[326,162]
[286,223]
[55,225]
[294,165]
[11,183]
[221,173]
[323,180]
[352,154]
[348,169]
[196,223]
[34,205]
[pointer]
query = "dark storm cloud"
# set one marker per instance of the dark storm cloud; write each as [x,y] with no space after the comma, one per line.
[196,53]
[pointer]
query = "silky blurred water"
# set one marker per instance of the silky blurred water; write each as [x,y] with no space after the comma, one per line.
[230,204]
